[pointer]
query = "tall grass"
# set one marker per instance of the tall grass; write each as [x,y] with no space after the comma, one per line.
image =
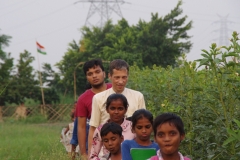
[66,99]
[24,141]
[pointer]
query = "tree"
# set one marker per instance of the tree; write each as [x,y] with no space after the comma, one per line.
[159,41]
[50,79]
[162,40]
[4,42]
[70,64]
[111,42]
[6,67]
[24,82]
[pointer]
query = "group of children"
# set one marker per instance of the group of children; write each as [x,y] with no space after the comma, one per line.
[122,139]
[130,140]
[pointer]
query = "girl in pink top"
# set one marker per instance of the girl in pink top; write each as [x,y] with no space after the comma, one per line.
[116,106]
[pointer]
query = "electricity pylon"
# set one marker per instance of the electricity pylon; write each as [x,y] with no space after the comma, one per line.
[223,30]
[104,8]
[223,36]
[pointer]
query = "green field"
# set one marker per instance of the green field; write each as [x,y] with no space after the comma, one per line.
[24,141]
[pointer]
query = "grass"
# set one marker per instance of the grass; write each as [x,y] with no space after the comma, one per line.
[26,141]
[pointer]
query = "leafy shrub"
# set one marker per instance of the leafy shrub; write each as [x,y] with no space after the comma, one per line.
[207,100]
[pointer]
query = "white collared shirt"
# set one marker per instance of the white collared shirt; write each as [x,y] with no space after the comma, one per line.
[161,158]
[99,114]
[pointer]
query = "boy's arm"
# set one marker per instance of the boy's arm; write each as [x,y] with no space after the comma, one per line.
[67,129]
[74,140]
[90,137]
[96,145]
[82,135]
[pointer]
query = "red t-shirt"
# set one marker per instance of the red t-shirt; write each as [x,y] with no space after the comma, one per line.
[84,103]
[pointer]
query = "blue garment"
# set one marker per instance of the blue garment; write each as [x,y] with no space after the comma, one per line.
[128,144]
[74,139]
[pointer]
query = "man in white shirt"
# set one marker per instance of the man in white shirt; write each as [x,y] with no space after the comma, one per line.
[118,74]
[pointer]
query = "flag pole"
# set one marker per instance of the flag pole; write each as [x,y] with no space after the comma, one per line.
[40,80]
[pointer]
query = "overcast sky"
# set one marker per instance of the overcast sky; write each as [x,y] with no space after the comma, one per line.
[55,23]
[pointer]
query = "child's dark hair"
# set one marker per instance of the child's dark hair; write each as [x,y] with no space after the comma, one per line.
[116,96]
[111,127]
[92,63]
[170,118]
[72,115]
[139,114]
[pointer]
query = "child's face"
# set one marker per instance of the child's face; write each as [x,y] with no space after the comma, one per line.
[112,142]
[116,111]
[143,129]
[168,138]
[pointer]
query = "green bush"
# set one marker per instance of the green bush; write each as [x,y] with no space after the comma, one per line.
[207,100]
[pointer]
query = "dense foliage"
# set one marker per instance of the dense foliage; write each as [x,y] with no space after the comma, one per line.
[207,99]
[158,41]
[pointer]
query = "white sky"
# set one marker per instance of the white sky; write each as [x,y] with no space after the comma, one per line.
[55,23]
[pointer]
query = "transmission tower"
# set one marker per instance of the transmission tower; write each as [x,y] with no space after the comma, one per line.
[104,9]
[223,30]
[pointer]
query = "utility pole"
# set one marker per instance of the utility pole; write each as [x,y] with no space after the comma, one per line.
[104,10]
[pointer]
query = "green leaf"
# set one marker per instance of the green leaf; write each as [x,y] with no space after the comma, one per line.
[196,89]
[229,140]
[232,133]
[217,60]
[237,122]
[233,54]
[229,64]
[205,51]
[205,55]
[227,48]
[204,62]
[198,60]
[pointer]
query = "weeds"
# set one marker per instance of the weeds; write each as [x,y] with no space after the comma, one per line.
[31,141]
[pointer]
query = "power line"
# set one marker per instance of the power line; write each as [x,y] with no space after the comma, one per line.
[36,19]
[33,20]
[213,15]
[140,11]
[201,33]
[17,9]
[46,34]
[4,7]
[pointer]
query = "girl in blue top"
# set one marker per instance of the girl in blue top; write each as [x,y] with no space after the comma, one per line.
[142,121]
